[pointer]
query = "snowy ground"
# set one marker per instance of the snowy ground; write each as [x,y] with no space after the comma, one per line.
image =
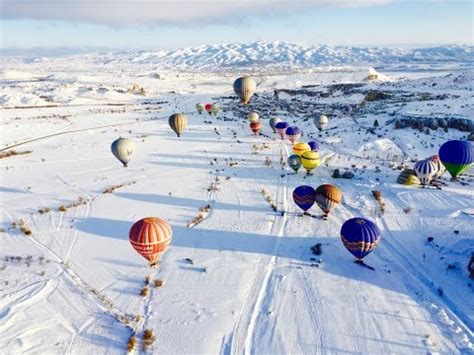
[73,284]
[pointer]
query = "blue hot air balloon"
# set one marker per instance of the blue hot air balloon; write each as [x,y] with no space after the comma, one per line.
[304,197]
[293,133]
[314,146]
[281,128]
[360,236]
[294,161]
[457,156]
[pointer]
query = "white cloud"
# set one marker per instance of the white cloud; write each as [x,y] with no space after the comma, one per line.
[159,12]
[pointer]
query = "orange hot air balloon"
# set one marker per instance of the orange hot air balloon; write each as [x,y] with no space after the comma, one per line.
[255,127]
[150,237]
[208,108]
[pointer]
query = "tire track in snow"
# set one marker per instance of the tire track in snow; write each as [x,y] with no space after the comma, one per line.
[241,338]
[421,286]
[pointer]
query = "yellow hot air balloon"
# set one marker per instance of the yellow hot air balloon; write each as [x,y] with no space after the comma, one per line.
[253,117]
[300,147]
[178,122]
[310,160]
[244,88]
[408,177]
[123,149]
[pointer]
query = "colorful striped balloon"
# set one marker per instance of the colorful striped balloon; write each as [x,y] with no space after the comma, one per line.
[301,147]
[425,171]
[281,128]
[150,237]
[304,197]
[178,122]
[293,133]
[244,88]
[327,197]
[360,236]
[310,160]
[457,156]
[408,177]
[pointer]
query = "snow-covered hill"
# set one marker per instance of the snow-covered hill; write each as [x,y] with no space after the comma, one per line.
[283,54]
[291,54]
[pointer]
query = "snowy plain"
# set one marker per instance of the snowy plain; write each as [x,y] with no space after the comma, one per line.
[72,286]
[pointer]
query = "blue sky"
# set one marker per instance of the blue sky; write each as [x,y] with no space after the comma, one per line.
[109,24]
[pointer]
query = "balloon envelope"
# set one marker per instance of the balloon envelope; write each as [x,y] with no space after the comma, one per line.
[208,108]
[273,122]
[360,236]
[253,116]
[314,146]
[301,147]
[457,156]
[215,108]
[150,237]
[199,107]
[293,133]
[123,149]
[304,197]
[425,171]
[244,88]
[310,160]
[281,128]
[255,127]
[408,177]
[327,197]
[294,161]
[440,169]
[321,122]
[178,122]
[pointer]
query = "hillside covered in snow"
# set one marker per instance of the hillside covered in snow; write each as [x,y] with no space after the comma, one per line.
[283,54]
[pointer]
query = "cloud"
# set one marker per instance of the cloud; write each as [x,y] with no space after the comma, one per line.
[160,12]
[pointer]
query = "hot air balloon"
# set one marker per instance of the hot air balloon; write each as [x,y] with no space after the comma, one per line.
[408,177]
[457,156]
[281,128]
[150,237]
[304,197]
[215,108]
[255,127]
[253,116]
[425,171]
[294,161]
[300,147]
[199,108]
[360,236]
[244,88]
[273,122]
[293,133]
[310,160]
[208,108]
[123,150]
[327,197]
[314,146]
[440,169]
[178,122]
[321,122]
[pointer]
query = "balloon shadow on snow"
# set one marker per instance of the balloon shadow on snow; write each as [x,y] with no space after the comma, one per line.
[104,227]
[187,202]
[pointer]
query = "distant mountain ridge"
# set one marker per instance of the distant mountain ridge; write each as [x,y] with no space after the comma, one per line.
[281,54]
[290,54]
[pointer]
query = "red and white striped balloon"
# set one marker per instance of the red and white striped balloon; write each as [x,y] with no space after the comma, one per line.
[150,237]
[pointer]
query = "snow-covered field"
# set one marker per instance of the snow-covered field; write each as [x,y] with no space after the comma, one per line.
[253,287]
